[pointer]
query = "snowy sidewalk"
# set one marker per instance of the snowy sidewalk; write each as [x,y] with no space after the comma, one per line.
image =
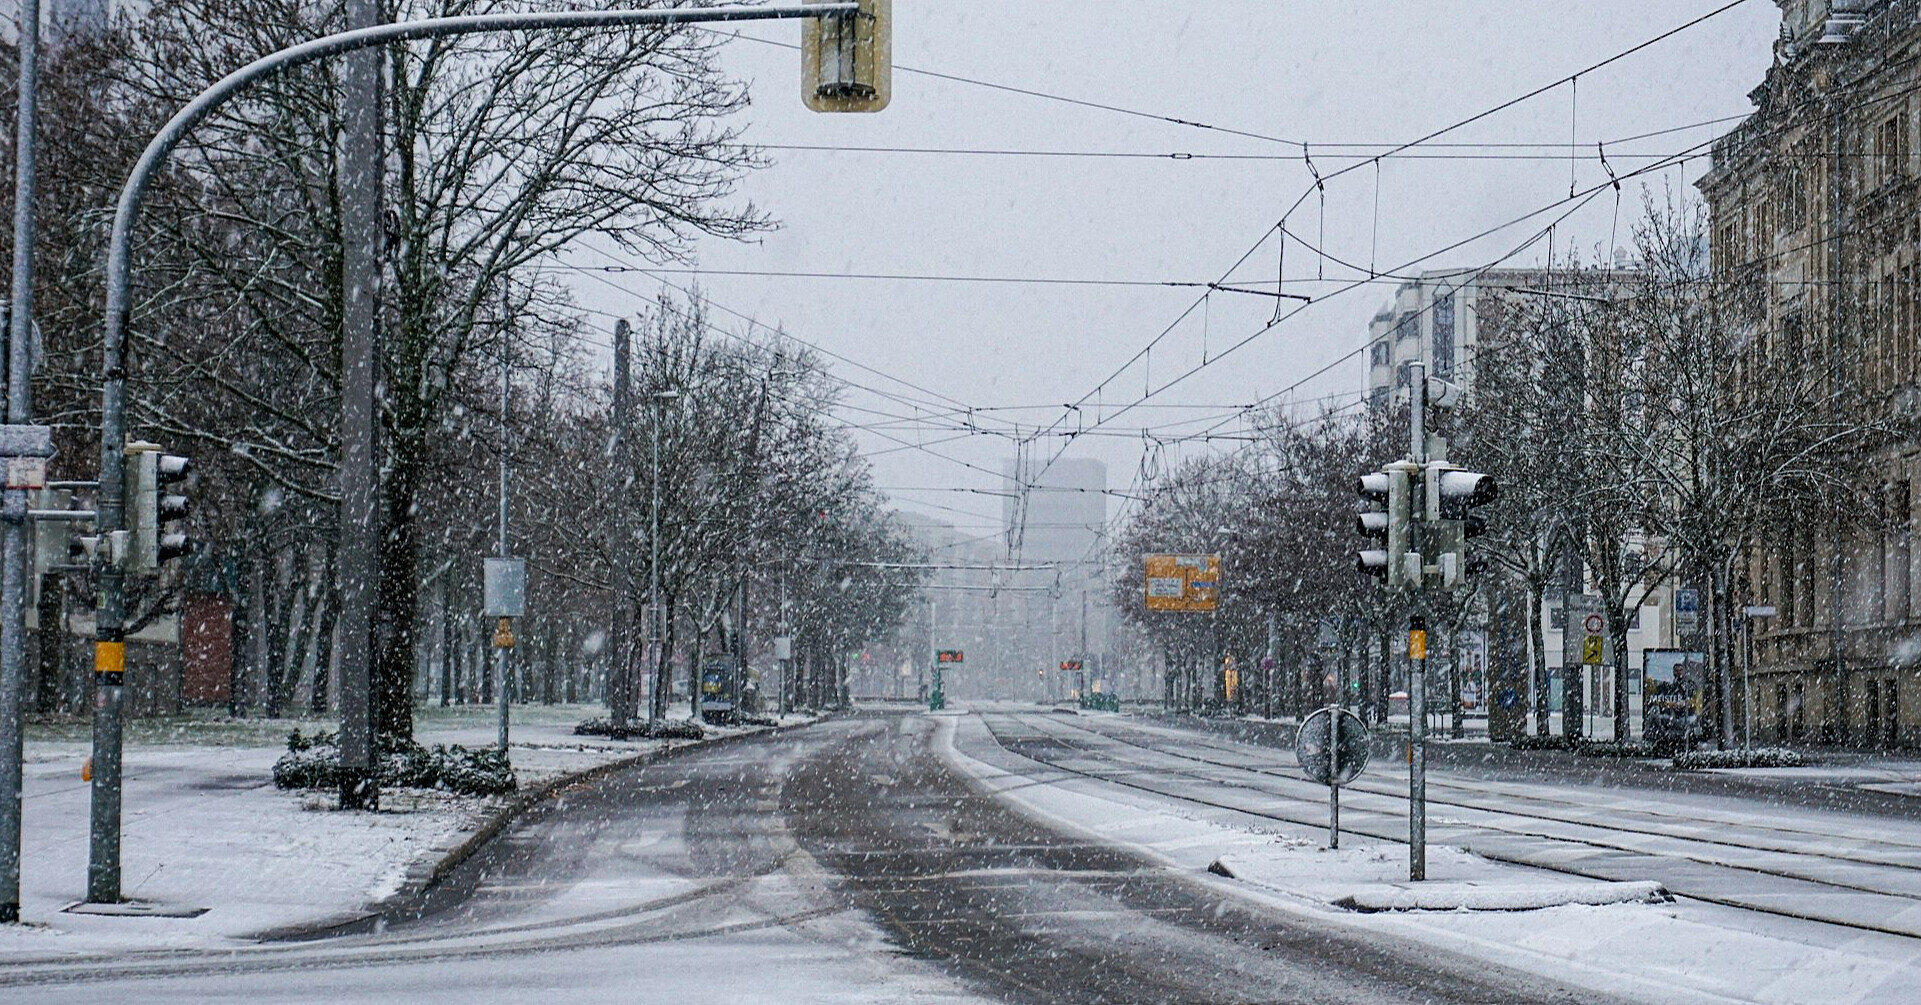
[204,827]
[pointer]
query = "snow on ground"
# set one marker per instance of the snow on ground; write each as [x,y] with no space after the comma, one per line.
[204,827]
[1662,952]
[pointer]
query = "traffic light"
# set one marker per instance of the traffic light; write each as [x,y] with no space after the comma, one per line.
[847,60]
[1451,497]
[152,508]
[1388,519]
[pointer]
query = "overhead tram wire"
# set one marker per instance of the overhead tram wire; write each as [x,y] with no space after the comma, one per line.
[721,332]
[1042,95]
[724,333]
[1320,182]
[901,444]
[1579,198]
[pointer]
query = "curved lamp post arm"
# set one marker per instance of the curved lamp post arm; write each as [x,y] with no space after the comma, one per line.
[119,254]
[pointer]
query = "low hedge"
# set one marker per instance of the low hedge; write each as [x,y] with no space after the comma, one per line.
[663,729]
[1759,757]
[1609,748]
[1541,743]
[312,761]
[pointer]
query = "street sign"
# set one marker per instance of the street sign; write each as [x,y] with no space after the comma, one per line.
[948,656]
[1312,749]
[1591,648]
[1183,582]
[1761,610]
[1687,610]
[504,588]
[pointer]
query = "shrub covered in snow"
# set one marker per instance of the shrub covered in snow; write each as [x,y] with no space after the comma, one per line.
[312,761]
[1759,757]
[665,729]
[1541,743]
[1609,748]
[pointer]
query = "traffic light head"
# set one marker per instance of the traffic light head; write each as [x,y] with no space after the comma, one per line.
[847,60]
[153,508]
[1387,498]
[1452,495]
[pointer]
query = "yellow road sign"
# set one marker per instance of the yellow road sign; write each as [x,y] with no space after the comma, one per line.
[1591,650]
[1183,582]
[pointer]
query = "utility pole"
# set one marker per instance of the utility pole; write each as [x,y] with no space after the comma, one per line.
[621,679]
[17,538]
[360,187]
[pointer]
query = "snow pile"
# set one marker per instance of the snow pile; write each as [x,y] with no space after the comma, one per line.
[1759,757]
[1474,897]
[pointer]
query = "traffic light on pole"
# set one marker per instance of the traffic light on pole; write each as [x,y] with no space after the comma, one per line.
[153,508]
[847,60]
[1387,519]
[1452,494]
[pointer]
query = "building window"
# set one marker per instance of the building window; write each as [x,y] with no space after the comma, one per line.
[1408,327]
[1905,333]
[1891,148]
[1380,354]
[1794,197]
[1444,335]
[1900,522]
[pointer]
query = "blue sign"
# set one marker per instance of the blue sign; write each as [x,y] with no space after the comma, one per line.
[1508,698]
[1687,601]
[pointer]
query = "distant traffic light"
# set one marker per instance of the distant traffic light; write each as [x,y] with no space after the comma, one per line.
[153,509]
[847,60]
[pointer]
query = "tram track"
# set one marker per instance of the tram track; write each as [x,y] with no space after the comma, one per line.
[1912,864]
[1356,820]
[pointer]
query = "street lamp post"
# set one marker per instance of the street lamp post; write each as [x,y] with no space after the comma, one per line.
[103,867]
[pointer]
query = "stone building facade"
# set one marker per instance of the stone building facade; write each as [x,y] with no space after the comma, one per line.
[1816,223]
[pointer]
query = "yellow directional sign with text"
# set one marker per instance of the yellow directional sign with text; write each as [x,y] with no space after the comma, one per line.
[1591,650]
[1183,582]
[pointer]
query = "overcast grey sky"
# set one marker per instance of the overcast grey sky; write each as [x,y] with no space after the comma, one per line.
[1326,73]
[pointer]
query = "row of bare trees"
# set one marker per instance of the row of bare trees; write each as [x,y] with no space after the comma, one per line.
[499,152]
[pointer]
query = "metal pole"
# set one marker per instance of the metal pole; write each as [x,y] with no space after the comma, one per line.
[1417,654]
[787,632]
[623,673]
[657,707]
[1268,665]
[1417,748]
[1333,777]
[13,581]
[1747,682]
[359,347]
[359,217]
[501,652]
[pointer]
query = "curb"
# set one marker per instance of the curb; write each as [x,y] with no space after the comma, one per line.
[423,876]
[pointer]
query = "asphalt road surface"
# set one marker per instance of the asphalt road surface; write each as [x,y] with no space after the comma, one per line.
[844,862]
